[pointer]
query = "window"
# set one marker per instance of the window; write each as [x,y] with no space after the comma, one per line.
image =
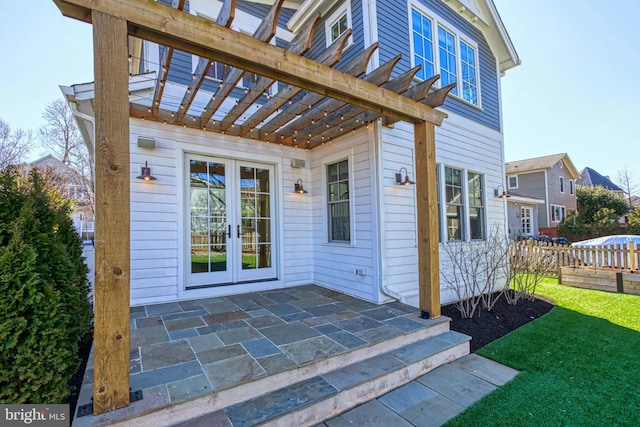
[454,203]
[338,202]
[438,180]
[447,52]
[476,207]
[557,213]
[562,184]
[456,59]
[469,73]
[218,71]
[338,23]
[422,44]
[526,221]
[571,186]
[512,182]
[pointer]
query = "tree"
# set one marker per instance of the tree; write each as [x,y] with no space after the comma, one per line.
[633,224]
[62,137]
[591,199]
[628,181]
[14,145]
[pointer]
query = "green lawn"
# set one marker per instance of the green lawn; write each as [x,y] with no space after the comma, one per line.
[580,365]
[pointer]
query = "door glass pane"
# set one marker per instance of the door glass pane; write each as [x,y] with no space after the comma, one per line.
[255,217]
[218,261]
[208,216]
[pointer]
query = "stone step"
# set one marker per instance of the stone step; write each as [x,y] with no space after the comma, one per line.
[153,410]
[325,395]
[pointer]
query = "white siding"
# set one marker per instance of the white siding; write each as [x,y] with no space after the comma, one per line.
[460,143]
[334,265]
[158,228]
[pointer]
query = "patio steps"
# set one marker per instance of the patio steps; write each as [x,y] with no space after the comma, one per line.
[326,394]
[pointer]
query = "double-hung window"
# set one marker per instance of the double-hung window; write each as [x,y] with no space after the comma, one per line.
[440,48]
[476,206]
[339,213]
[562,184]
[464,210]
[557,213]
[455,203]
[338,23]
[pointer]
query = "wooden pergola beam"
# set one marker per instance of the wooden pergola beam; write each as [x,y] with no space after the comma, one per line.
[225,18]
[112,235]
[329,57]
[162,24]
[265,32]
[300,44]
[378,77]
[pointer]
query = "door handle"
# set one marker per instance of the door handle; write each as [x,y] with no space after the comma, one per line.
[229,232]
[238,231]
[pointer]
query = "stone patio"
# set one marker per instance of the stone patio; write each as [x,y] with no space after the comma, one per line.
[201,347]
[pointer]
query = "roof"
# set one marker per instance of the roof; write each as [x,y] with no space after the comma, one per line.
[590,177]
[540,163]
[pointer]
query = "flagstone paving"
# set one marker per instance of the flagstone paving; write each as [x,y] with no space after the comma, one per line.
[191,345]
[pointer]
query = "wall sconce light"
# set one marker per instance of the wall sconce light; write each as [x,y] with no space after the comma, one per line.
[145,173]
[298,188]
[406,181]
[500,195]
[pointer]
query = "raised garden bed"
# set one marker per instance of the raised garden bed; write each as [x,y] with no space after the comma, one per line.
[625,281]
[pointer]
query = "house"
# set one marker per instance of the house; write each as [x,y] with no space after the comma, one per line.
[70,185]
[551,179]
[261,169]
[522,216]
[590,177]
[222,218]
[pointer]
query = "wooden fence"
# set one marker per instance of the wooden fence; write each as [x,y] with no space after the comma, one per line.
[612,257]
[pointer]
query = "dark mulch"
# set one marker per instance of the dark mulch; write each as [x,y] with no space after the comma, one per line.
[488,326]
[84,348]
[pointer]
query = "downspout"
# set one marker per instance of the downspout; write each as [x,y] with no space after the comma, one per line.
[382,246]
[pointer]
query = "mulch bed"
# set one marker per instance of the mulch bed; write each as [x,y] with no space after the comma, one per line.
[487,326]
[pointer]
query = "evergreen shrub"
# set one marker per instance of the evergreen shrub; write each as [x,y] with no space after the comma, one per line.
[44,309]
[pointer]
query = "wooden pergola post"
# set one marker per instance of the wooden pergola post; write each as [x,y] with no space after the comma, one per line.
[427,208]
[111,295]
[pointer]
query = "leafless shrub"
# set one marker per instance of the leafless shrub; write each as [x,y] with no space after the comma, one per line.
[529,264]
[477,272]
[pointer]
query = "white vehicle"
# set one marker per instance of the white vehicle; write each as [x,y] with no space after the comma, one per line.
[604,251]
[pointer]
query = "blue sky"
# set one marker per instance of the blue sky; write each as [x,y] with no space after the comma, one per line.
[577,90]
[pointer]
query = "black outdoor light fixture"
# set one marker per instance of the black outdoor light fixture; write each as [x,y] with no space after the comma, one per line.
[145,173]
[500,195]
[406,181]
[298,188]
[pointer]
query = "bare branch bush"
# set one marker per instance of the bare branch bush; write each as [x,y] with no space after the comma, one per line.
[476,273]
[529,264]
[14,145]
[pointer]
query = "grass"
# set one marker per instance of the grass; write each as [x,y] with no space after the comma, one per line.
[580,365]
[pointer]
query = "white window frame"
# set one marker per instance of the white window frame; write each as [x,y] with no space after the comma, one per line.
[571,187]
[343,9]
[554,216]
[459,37]
[509,186]
[325,195]
[561,183]
[465,222]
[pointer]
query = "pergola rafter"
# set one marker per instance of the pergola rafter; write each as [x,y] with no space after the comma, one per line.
[305,83]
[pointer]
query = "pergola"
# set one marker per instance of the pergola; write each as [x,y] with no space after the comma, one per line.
[316,103]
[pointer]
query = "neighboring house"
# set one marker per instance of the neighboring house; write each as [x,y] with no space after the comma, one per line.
[522,216]
[635,202]
[83,214]
[551,179]
[221,215]
[592,178]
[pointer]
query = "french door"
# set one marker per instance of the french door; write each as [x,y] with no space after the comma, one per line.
[231,216]
[526,215]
